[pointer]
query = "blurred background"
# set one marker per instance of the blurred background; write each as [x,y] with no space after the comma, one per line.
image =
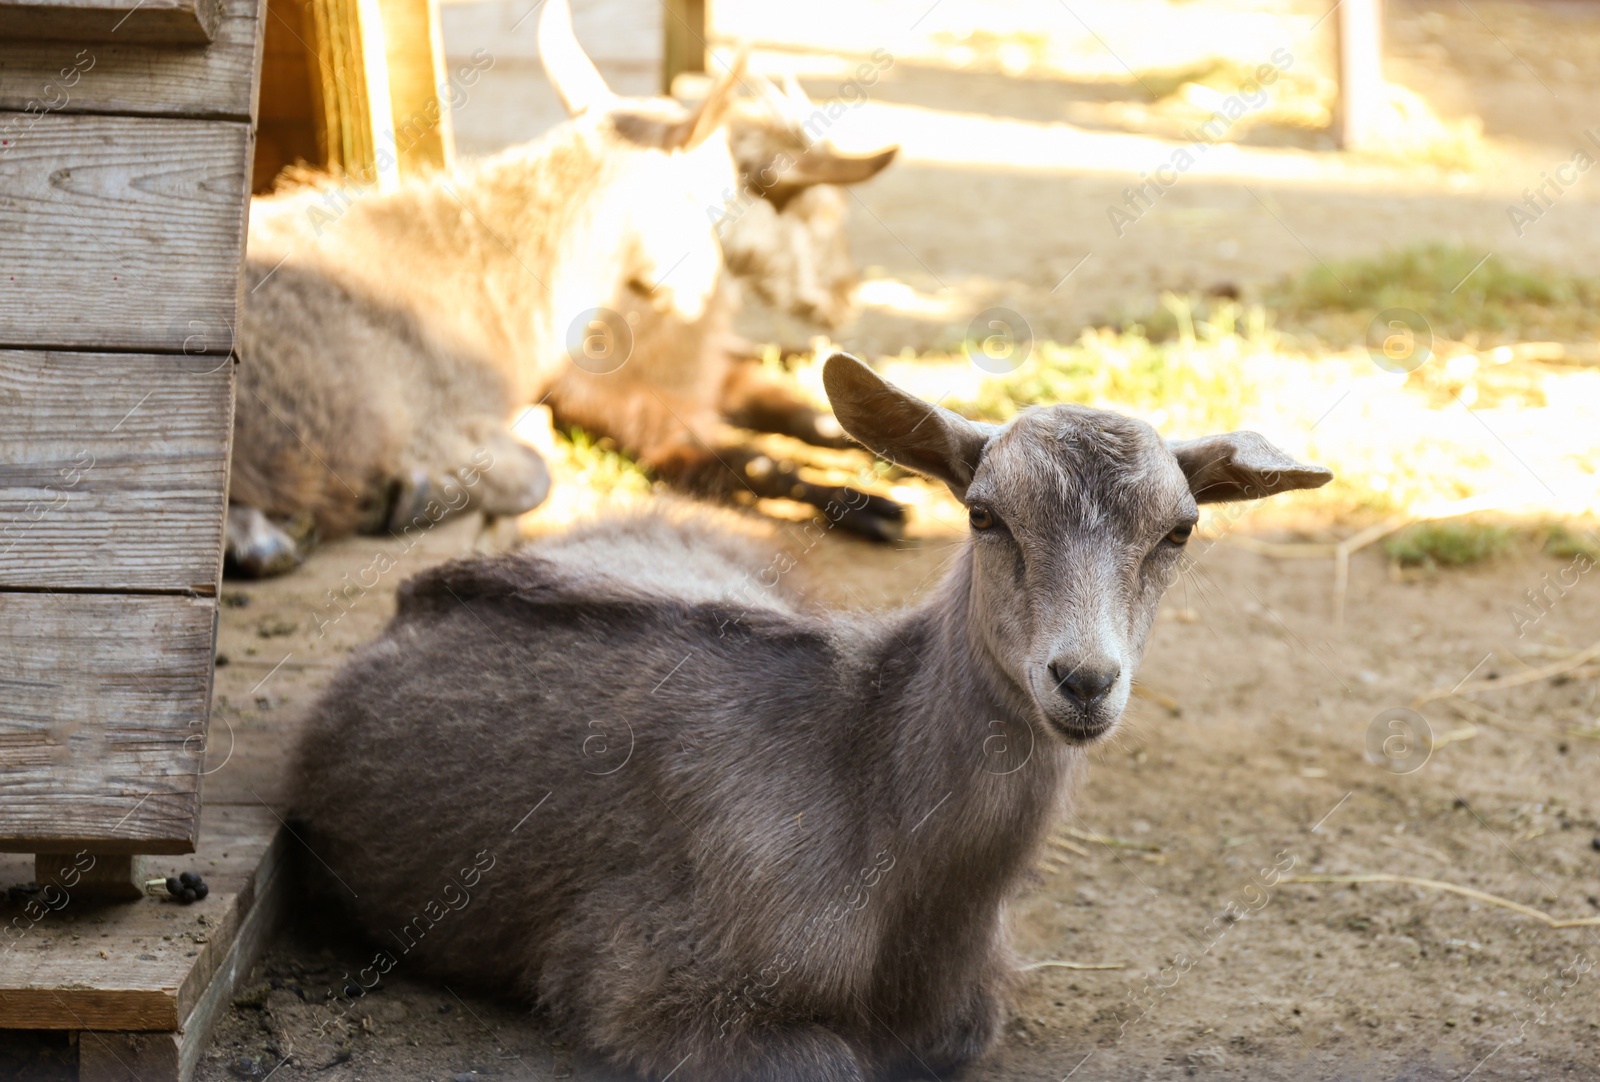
[1441,170]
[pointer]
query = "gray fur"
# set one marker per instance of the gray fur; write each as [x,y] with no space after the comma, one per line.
[727,835]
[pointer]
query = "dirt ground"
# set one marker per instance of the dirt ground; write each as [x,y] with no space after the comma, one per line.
[1247,760]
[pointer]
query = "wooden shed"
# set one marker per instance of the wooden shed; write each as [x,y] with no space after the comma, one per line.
[126,137]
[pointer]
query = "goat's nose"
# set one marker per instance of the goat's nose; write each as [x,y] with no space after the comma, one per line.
[1084,682]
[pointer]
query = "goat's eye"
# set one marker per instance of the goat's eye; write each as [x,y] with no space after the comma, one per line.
[1180,536]
[981,517]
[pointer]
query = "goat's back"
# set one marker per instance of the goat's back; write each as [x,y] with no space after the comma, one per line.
[609,727]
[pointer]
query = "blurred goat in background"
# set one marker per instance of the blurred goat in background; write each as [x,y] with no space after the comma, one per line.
[389,338]
[783,237]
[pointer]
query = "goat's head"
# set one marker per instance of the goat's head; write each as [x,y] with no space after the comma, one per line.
[1078,523]
[669,175]
[785,235]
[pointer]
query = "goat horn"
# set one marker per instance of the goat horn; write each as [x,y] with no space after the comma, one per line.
[797,94]
[773,97]
[790,104]
[576,80]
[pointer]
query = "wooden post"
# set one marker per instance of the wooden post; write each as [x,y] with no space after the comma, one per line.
[352,86]
[1360,71]
[360,77]
[415,52]
[111,877]
[125,170]
[685,27]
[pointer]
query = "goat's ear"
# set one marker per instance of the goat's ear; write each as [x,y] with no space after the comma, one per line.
[820,165]
[902,427]
[577,81]
[714,110]
[1241,466]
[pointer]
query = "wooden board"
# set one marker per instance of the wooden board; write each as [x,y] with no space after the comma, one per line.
[353,89]
[151,964]
[414,50]
[104,701]
[685,46]
[62,77]
[113,470]
[1361,87]
[166,22]
[122,232]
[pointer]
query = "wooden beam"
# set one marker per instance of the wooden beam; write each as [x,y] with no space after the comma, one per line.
[44,77]
[352,87]
[172,1057]
[112,877]
[1361,84]
[147,22]
[102,720]
[415,51]
[113,470]
[685,28]
[121,232]
[130,1057]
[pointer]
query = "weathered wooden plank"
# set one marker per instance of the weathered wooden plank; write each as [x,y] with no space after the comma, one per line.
[160,22]
[353,87]
[158,965]
[112,877]
[113,470]
[130,1057]
[414,49]
[685,46]
[103,710]
[122,232]
[45,77]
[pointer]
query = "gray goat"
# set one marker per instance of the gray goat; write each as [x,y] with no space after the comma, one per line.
[717,835]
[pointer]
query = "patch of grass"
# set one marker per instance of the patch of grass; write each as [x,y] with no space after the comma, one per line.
[1198,92]
[1205,319]
[1449,543]
[1192,368]
[1219,73]
[598,465]
[1461,294]
[1195,367]
[1567,542]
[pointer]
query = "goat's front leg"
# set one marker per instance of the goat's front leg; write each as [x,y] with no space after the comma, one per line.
[759,1053]
[953,1022]
[487,469]
[965,1032]
[731,470]
[254,547]
[752,398]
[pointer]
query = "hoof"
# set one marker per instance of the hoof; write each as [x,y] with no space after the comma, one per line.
[875,518]
[257,549]
[408,501]
[874,525]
